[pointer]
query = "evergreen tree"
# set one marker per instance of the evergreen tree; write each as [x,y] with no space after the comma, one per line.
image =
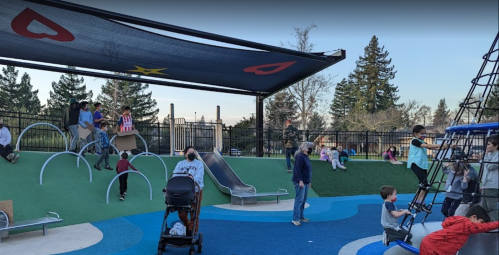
[116,94]
[442,114]
[27,97]
[372,79]
[202,122]
[68,86]
[9,88]
[315,125]
[342,102]
[492,103]
[20,95]
[279,108]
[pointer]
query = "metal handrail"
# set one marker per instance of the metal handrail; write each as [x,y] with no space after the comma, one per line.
[125,172]
[39,124]
[160,159]
[60,153]
[88,144]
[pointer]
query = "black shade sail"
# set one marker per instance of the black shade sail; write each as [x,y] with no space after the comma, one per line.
[61,33]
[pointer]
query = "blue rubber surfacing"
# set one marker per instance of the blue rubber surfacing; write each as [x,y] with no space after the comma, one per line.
[335,222]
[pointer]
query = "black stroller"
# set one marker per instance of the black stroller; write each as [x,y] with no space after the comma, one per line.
[180,195]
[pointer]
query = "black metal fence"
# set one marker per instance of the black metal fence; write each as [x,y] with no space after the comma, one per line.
[46,138]
[236,141]
[358,144]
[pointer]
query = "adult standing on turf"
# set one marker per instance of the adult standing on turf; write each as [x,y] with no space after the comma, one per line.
[5,148]
[302,176]
[291,138]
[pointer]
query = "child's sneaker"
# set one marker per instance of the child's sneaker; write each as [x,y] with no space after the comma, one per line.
[425,209]
[97,167]
[10,156]
[336,170]
[16,157]
[305,220]
[386,241]
[108,168]
[122,198]
[297,223]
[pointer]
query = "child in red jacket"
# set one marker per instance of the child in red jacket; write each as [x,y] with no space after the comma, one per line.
[122,166]
[455,232]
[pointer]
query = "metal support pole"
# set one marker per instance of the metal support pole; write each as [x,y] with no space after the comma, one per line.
[172,130]
[159,139]
[367,144]
[259,126]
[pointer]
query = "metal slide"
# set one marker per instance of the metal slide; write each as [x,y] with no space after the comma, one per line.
[222,174]
[228,182]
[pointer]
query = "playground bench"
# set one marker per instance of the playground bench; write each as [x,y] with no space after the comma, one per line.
[5,225]
[242,195]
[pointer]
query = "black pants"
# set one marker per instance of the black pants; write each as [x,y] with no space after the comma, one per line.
[400,234]
[123,183]
[5,151]
[421,173]
[449,206]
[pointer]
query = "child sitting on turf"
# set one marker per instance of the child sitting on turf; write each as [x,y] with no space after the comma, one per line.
[122,166]
[455,232]
[343,155]
[389,216]
[334,156]
[324,156]
[104,141]
[457,182]
[390,154]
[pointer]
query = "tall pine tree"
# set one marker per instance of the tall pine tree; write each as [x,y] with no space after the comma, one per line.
[10,88]
[441,115]
[116,94]
[20,95]
[68,86]
[279,108]
[342,102]
[372,78]
[28,98]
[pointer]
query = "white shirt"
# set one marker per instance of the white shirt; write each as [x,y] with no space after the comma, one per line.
[195,168]
[5,137]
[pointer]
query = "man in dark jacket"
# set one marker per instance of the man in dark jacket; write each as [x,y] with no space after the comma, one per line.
[291,138]
[73,114]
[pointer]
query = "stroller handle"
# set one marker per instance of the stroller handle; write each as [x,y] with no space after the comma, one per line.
[182,174]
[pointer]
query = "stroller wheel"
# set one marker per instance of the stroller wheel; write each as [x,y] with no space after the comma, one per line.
[200,242]
[191,250]
[160,252]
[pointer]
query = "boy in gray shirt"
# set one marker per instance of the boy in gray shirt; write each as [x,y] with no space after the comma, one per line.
[390,215]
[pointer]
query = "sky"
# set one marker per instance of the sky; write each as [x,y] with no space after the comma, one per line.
[435,46]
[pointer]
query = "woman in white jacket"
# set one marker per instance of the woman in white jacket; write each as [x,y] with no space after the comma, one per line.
[190,165]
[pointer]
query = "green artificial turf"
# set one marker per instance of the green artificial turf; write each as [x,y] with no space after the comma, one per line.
[361,178]
[67,190]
